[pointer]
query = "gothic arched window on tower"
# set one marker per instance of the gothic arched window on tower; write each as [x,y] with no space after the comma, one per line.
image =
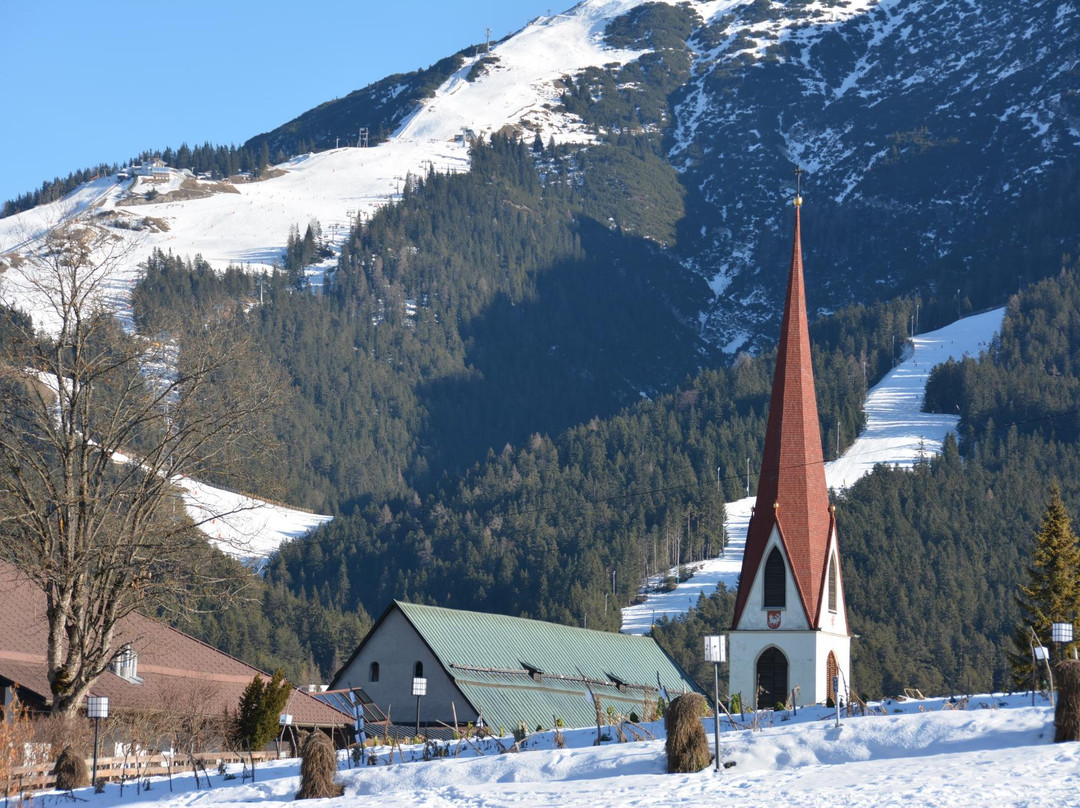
[775,581]
[834,585]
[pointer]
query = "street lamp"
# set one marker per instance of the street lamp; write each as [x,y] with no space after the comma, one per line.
[419,688]
[716,652]
[1061,634]
[97,708]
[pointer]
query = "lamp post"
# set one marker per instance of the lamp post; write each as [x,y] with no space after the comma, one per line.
[97,708]
[419,688]
[716,652]
[285,722]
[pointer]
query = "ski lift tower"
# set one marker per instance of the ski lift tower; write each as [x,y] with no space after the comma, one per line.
[362,138]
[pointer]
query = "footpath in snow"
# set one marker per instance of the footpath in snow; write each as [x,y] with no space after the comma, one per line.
[897,433]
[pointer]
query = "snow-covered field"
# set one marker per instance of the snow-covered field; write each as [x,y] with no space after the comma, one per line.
[897,433]
[998,752]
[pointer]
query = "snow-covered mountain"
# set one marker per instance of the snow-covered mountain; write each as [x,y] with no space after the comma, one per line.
[921,124]
[925,127]
[931,130]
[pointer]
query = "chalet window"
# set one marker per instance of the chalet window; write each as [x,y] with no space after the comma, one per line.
[775,581]
[834,585]
[418,670]
[373,674]
[126,665]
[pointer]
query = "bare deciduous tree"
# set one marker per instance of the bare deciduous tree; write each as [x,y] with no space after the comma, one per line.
[96,428]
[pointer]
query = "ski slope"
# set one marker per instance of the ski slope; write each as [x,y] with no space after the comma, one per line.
[897,433]
[997,751]
[244,527]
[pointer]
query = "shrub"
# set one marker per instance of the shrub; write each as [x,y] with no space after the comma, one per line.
[261,703]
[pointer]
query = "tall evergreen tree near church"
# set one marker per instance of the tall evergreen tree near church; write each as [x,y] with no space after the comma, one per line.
[1052,591]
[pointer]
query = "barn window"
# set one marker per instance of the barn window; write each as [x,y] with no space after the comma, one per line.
[775,581]
[834,585]
[373,674]
[418,670]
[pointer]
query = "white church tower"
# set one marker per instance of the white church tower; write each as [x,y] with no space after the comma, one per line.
[790,624]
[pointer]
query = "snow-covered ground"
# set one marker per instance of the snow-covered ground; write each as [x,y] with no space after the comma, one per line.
[998,751]
[897,433]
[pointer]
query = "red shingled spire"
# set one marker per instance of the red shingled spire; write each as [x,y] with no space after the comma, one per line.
[791,489]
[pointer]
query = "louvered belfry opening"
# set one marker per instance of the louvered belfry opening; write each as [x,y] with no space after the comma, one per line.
[775,581]
[834,585]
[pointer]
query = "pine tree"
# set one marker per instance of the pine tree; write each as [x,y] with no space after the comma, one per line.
[261,703]
[1052,591]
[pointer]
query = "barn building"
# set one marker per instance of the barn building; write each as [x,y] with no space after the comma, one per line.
[503,670]
[789,628]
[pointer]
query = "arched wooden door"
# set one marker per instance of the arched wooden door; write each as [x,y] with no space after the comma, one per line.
[832,670]
[772,678]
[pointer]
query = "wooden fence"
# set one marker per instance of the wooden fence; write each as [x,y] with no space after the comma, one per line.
[27,779]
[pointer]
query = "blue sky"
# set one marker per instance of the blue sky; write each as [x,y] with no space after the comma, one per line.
[83,83]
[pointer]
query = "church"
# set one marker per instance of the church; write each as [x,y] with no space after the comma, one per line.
[789,629]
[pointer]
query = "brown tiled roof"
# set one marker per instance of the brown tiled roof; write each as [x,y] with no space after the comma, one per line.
[177,671]
[792,492]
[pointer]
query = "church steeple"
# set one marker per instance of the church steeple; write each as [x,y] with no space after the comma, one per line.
[792,495]
[790,624]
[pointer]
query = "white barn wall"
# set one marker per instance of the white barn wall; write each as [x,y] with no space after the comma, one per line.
[397,648]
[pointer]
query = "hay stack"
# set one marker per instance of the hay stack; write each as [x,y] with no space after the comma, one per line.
[70,771]
[687,744]
[1067,711]
[318,767]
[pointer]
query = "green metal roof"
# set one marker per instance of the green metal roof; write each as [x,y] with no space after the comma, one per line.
[490,655]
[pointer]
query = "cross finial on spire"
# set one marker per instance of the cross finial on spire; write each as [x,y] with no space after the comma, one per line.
[799,171]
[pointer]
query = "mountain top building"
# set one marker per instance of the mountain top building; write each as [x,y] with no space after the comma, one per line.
[790,629]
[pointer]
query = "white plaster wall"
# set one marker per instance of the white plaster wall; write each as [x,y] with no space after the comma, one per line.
[807,653]
[835,622]
[754,616]
[840,645]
